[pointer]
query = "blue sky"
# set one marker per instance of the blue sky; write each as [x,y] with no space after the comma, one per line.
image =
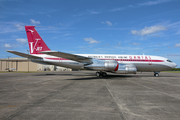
[150,27]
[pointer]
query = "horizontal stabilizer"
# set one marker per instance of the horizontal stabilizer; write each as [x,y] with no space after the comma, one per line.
[24,55]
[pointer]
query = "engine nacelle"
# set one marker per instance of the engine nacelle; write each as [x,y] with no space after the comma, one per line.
[102,65]
[126,69]
[111,66]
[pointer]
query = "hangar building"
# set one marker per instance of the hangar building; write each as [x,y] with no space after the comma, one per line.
[23,64]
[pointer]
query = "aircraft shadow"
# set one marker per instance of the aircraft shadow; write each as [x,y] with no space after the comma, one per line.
[53,74]
[93,77]
[109,76]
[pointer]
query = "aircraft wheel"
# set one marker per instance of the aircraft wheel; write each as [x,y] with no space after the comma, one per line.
[156,74]
[104,74]
[98,74]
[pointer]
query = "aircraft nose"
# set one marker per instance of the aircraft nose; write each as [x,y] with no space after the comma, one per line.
[174,65]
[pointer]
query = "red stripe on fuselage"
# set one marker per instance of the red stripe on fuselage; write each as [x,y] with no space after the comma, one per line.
[135,60]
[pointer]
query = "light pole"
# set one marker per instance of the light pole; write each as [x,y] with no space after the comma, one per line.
[28,60]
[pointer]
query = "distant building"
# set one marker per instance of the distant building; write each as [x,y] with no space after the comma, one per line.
[23,64]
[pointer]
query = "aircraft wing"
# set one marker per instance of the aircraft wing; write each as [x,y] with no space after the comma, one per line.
[24,55]
[73,57]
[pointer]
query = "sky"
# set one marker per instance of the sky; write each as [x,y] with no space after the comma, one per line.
[135,27]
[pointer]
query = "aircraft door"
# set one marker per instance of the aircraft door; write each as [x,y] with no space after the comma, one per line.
[121,60]
[150,61]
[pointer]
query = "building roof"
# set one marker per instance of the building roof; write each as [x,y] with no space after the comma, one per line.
[14,59]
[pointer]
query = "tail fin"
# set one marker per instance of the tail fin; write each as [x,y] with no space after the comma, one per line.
[36,43]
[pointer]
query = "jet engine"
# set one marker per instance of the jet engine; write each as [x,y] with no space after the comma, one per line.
[102,65]
[126,69]
[111,66]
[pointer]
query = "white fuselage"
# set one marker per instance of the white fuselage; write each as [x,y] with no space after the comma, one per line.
[102,63]
[142,62]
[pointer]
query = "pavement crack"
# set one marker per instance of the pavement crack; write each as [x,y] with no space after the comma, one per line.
[37,102]
[123,117]
[176,97]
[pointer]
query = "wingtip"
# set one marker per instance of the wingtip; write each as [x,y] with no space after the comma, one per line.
[10,50]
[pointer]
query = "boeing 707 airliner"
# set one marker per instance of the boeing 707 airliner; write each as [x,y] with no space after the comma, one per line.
[102,63]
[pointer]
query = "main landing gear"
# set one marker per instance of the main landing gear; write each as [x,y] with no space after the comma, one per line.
[156,74]
[101,74]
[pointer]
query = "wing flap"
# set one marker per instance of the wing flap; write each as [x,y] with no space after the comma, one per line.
[24,55]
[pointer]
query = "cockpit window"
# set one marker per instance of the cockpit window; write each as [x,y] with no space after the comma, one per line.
[169,60]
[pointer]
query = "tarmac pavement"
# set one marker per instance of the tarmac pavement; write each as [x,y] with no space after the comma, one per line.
[80,95]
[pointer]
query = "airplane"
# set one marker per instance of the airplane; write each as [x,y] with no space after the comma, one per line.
[102,63]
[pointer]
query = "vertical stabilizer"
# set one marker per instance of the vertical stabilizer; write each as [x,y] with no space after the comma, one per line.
[36,43]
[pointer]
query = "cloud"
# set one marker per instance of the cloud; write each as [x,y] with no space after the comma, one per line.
[177,45]
[178,32]
[79,14]
[156,50]
[93,12]
[7,46]
[107,22]
[91,40]
[173,54]
[153,2]
[118,9]
[148,30]
[135,43]
[87,12]
[149,3]
[7,27]
[66,34]
[34,22]
[21,41]
[176,24]
[19,26]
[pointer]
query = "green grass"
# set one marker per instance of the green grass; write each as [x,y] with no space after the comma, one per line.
[172,71]
[175,69]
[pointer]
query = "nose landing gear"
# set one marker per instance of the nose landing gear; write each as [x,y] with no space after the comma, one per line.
[156,74]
